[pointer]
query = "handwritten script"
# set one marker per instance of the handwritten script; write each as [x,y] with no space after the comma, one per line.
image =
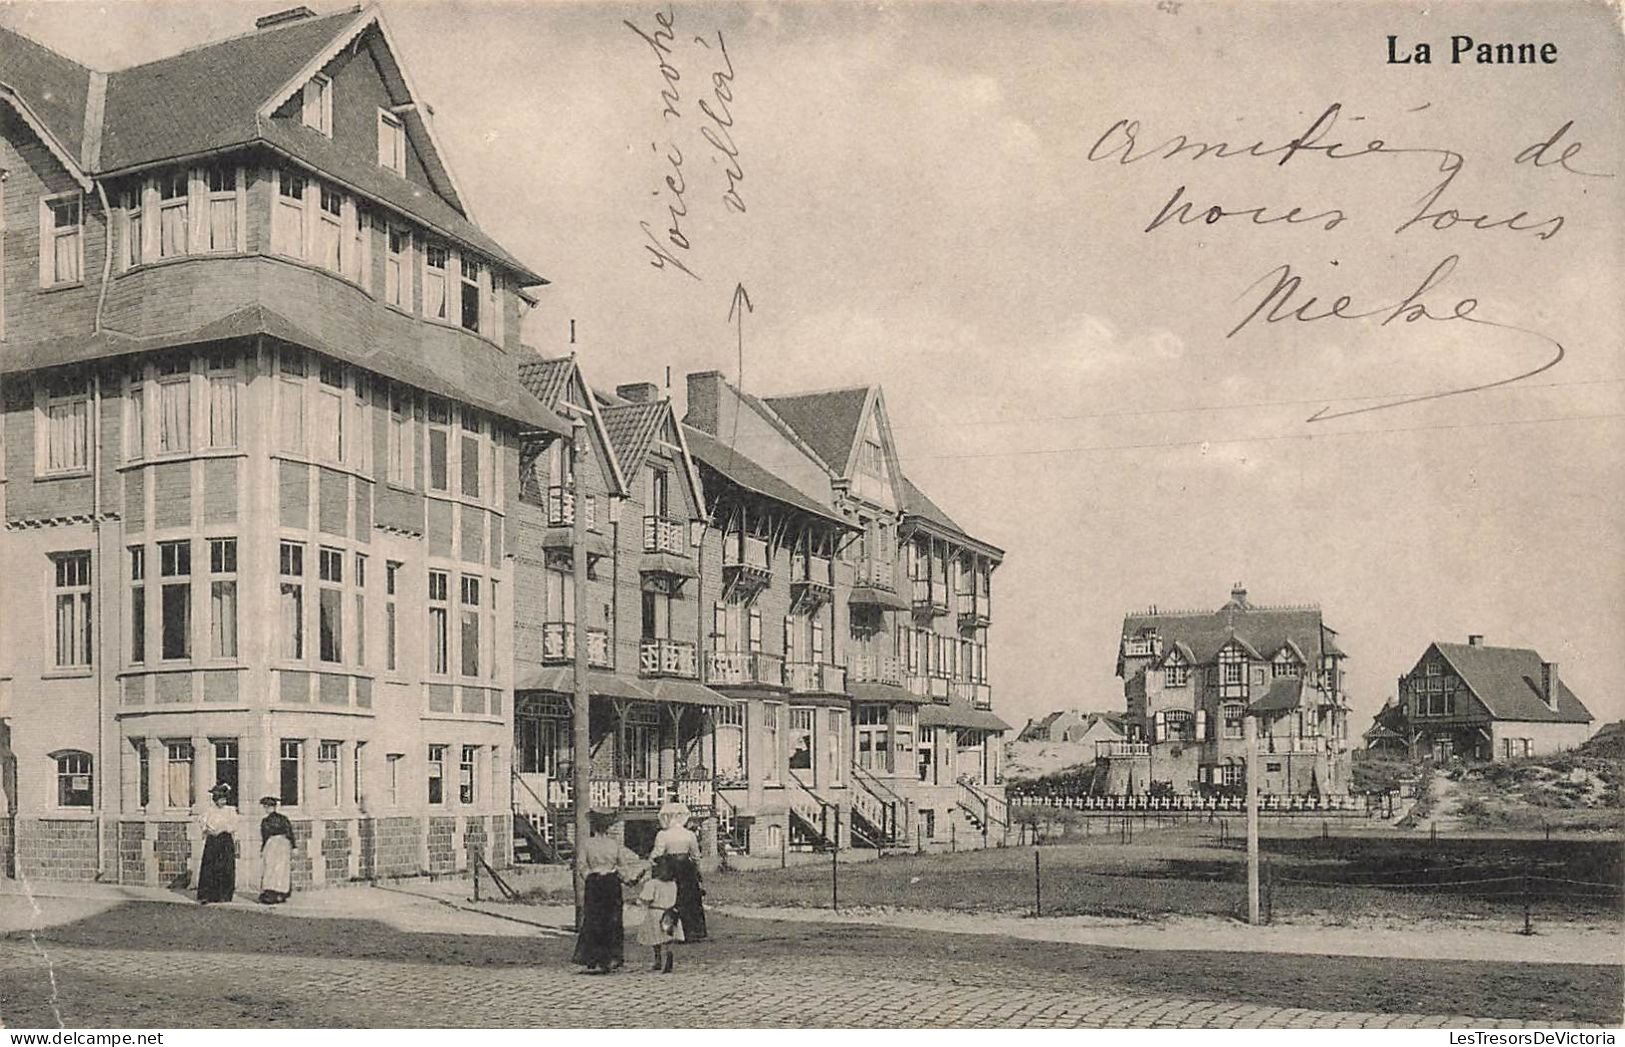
[1283,295]
[700,117]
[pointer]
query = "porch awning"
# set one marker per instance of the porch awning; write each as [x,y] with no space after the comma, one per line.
[667,563]
[948,716]
[889,693]
[561,538]
[868,594]
[683,692]
[836,701]
[557,679]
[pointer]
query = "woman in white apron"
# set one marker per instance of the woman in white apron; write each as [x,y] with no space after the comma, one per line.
[276,854]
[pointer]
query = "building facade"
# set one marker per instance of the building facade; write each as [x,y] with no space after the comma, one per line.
[1190,678]
[1487,703]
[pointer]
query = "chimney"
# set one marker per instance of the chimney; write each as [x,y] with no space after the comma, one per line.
[705,401]
[292,14]
[1238,595]
[1548,683]
[1475,640]
[639,392]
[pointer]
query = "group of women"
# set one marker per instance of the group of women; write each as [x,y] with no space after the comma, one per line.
[217,873]
[672,896]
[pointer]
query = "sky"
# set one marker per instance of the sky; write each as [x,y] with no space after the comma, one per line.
[932,196]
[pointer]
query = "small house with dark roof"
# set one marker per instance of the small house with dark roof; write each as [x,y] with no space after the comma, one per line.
[1488,703]
[1074,726]
[1190,680]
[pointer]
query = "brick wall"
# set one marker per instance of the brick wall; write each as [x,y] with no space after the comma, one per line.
[442,851]
[303,859]
[56,849]
[395,848]
[476,838]
[336,851]
[173,848]
[132,859]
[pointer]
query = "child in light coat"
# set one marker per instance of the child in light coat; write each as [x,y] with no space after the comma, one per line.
[660,925]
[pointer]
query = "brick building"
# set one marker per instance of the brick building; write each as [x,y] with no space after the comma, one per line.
[260,430]
[1191,677]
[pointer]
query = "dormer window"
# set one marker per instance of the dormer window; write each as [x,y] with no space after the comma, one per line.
[318,104]
[1285,664]
[391,142]
[1176,675]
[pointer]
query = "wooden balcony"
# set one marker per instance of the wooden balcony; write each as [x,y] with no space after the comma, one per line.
[976,694]
[633,794]
[561,508]
[878,574]
[930,597]
[874,668]
[661,657]
[812,580]
[973,610]
[744,669]
[663,534]
[814,678]
[1121,750]
[745,562]
[559,647]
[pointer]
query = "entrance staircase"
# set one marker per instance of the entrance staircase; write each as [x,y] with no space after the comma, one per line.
[876,808]
[540,835]
[813,820]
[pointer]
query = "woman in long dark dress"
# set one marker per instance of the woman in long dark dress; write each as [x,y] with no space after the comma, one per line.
[677,841]
[217,873]
[276,854]
[601,938]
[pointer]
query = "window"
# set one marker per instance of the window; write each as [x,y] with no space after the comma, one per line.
[435,290]
[401,443]
[225,765]
[223,597]
[173,201]
[358,257]
[291,401]
[135,416]
[131,201]
[143,772]
[392,571]
[178,773]
[730,737]
[470,623]
[327,774]
[222,405]
[1176,675]
[439,443]
[358,780]
[439,625]
[471,454]
[330,607]
[289,771]
[328,411]
[835,746]
[175,599]
[1234,714]
[465,774]
[222,216]
[72,610]
[392,778]
[174,404]
[770,741]
[66,425]
[398,269]
[391,142]
[330,230]
[360,582]
[292,572]
[437,774]
[74,780]
[61,241]
[138,604]
[471,294]
[288,216]
[801,738]
[317,104]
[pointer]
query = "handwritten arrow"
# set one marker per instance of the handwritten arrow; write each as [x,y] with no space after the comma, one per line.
[737,316]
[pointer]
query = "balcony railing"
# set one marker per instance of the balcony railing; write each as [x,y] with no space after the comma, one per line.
[880,574]
[561,508]
[977,694]
[811,578]
[875,668]
[664,535]
[1110,750]
[558,645]
[931,595]
[743,668]
[632,793]
[811,677]
[973,609]
[1270,744]
[749,552]
[668,658]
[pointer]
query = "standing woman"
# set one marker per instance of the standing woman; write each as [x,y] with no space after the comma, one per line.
[601,938]
[677,841]
[276,854]
[217,874]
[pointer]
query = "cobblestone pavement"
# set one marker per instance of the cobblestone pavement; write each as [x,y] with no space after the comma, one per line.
[704,992]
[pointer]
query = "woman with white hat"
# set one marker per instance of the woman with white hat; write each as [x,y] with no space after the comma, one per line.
[677,841]
[217,873]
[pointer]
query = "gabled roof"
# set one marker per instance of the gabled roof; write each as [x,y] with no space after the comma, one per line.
[548,379]
[1506,680]
[828,421]
[1285,692]
[733,465]
[632,428]
[1206,632]
[55,87]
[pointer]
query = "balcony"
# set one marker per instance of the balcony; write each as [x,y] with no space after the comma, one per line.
[878,574]
[745,561]
[812,580]
[974,610]
[561,508]
[1121,750]
[559,646]
[930,597]
[875,668]
[932,687]
[814,678]
[633,794]
[662,534]
[668,658]
[976,694]
[744,669]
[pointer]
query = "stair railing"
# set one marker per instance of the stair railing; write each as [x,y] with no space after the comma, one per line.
[824,807]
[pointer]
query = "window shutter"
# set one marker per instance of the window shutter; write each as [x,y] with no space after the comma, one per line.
[1159,730]
[1201,725]
[755,630]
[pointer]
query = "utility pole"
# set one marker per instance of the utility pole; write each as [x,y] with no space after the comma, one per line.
[1251,723]
[580,711]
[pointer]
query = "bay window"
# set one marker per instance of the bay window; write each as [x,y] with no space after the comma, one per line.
[222,402]
[470,286]
[398,269]
[223,597]
[131,243]
[291,572]
[439,624]
[330,604]
[222,208]
[174,198]
[330,230]
[435,290]
[288,215]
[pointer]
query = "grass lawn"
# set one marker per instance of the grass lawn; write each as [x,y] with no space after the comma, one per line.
[1541,994]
